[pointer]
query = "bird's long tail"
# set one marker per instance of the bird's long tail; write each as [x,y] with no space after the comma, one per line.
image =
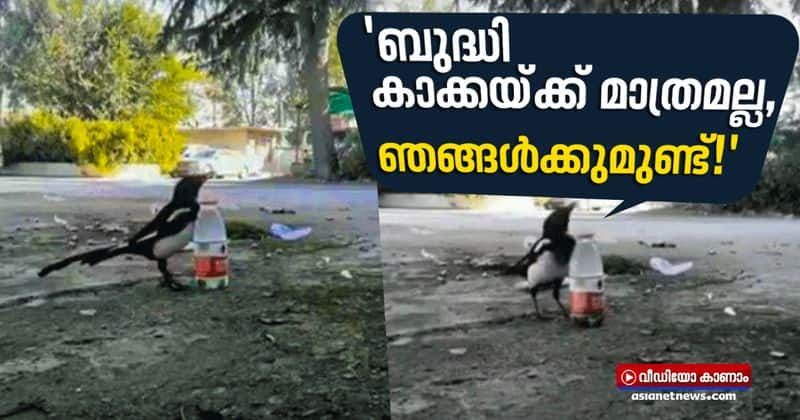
[88,258]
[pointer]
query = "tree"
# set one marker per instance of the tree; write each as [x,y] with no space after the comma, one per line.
[101,61]
[238,33]
[620,6]
[16,28]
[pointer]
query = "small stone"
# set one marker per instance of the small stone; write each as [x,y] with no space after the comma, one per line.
[777,354]
[458,351]
[443,273]
[460,277]
[88,312]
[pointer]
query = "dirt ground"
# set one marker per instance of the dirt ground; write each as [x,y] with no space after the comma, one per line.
[464,344]
[293,337]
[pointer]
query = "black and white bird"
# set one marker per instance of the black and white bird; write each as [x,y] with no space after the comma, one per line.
[168,233]
[546,264]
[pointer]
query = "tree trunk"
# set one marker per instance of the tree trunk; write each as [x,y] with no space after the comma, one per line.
[314,18]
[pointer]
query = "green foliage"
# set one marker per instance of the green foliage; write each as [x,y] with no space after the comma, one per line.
[35,138]
[351,157]
[241,229]
[45,137]
[102,61]
[777,190]
[335,69]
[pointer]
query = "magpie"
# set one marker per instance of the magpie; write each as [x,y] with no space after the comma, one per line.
[168,233]
[547,262]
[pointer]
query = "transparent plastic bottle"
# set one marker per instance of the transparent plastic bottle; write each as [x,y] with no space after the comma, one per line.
[210,248]
[587,300]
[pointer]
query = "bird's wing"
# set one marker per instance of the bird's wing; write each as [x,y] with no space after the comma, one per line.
[177,220]
[521,266]
[153,225]
[170,220]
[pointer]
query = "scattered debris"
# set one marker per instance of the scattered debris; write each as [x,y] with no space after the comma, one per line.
[460,277]
[729,311]
[791,370]
[114,228]
[88,312]
[654,359]
[276,321]
[443,273]
[712,252]
[646,332]
[288,233]
[662,244]
[280,210]
[458,351]
[269,337]
[402,341]
[60,221]
[346,274]
[457,381]
[570,379]
[777,354]
[421,231]
[55,198]
[427,255]
[668,269]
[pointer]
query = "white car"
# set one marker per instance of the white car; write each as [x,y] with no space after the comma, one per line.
[197,160]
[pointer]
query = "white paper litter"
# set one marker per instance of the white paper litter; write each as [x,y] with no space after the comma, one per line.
[428,256]
[669,269]
[346,274]
[729,311]
[60,221]
[55,198]
[288,233]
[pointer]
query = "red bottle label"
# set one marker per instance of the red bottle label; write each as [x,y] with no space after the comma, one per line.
[586,303]
[211,266]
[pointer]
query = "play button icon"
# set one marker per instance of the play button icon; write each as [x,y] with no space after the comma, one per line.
[628,377]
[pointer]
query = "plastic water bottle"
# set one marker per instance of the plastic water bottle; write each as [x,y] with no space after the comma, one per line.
[210,248]
[587,299]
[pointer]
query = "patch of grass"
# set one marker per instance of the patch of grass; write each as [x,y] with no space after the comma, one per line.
[303,246]
[615,265]
[240,229]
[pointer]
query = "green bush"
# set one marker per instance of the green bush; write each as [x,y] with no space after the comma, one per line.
[44,137]
[777,189]
[38,137]
[350,154]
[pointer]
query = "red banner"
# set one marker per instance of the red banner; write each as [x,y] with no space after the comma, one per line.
[639,376]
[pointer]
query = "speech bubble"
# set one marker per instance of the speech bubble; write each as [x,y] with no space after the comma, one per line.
[443,112]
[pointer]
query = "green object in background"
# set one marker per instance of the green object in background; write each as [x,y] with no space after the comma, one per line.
[339,102]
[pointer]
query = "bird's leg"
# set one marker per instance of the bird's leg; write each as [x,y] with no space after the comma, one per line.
[557,295]
[534,292]
[168,280]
